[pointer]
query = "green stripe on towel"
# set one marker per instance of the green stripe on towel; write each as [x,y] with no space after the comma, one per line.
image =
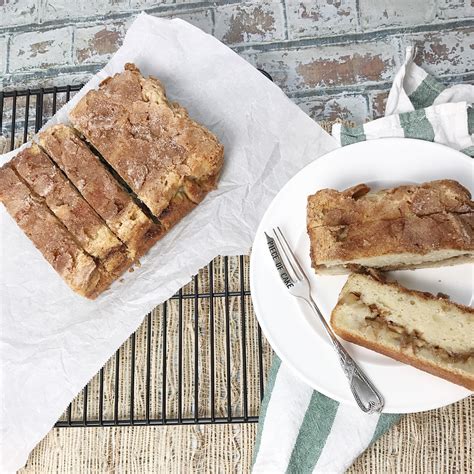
[470,120]
[469,151]
[416,125]
[314,430]
[351,135]
[263,409]
[386,421]
[426,93]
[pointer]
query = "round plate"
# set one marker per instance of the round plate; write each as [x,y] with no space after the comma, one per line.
[294,332]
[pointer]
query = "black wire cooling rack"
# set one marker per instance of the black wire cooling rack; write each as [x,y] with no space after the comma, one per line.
[198,358]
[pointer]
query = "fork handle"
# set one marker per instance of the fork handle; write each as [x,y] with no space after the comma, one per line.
[365,394]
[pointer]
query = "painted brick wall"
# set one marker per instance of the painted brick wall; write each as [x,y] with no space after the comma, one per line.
[335,58]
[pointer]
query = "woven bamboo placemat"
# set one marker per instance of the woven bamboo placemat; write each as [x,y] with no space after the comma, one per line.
[435,441]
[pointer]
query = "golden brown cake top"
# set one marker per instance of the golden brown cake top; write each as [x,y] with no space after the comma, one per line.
[46,180]
[97,185]
[358,204]
[151,143]
[48,235]
[84,170]
[80,208]
[409,235]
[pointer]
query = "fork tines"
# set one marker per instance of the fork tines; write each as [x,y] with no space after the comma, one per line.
[288,255]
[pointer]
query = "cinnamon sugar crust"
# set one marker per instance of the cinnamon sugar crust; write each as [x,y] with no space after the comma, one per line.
[151,143]
[100,189]
[47,181]
[405,227]
[48,234]
[358,205]
[92,216]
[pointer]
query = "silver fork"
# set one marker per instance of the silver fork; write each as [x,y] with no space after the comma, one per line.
[366,395]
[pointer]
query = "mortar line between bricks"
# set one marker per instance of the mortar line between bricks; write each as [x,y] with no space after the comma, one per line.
[350,38]
[330,91]
[369,104]
[73,45]
[213,20]
[176,9]
[358,22]
[7,58]
[285,18]
[349,89]
[23,76]
[170,8]
[376,86]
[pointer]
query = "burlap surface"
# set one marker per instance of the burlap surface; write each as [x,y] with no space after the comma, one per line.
[434,441]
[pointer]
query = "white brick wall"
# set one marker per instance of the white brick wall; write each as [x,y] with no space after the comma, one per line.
[202,18]
[53,10]
[332,65]
[34,50]
[323,53]
[309,18]
[388,13]
[95,44]
[445,53]
[452,9]
[250,22]
[344,106]
[18,12]
[153,3]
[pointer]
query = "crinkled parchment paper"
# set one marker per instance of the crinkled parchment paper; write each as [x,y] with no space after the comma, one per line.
[52,341]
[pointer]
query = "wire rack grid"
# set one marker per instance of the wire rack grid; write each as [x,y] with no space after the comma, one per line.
[198,358]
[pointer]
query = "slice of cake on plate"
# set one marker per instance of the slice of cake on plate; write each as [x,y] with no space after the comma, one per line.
[430,224]
[426,331]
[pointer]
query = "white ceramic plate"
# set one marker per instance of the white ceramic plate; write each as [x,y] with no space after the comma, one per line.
[290,327]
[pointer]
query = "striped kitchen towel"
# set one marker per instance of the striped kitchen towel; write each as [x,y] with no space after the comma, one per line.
[300,429]
[419,106]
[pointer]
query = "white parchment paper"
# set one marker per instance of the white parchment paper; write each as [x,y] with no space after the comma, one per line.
[52,342]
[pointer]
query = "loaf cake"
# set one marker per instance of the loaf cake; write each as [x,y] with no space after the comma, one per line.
[428,332]
[415,226]
[100,189]
[94,198]
[164,157]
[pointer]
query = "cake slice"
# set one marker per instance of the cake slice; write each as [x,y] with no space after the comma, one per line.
[428,332]
[150,142]
[47,181]
[100,189]
[50,237]
[431,224]
[356,205]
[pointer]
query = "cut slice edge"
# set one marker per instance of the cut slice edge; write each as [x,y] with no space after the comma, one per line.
[370,313]
[399,262]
